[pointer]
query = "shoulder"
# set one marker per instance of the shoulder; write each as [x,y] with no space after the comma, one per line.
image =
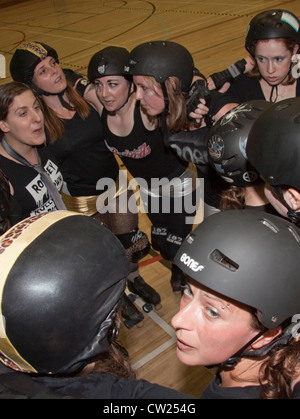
[109,386]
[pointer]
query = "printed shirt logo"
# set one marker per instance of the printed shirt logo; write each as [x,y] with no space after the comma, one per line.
[191,263]
[39,192]
[142,151]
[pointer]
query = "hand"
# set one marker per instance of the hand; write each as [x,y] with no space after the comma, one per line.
[199,114]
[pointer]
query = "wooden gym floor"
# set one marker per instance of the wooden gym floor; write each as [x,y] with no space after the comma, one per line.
[214,32]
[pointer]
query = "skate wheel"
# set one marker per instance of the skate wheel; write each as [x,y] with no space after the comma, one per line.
[147,307]
[130,323]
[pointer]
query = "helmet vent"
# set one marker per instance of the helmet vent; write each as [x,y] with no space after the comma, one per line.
[221,259]
[282,106]
[294,233]
[270,225]
[297,119]
[229,161]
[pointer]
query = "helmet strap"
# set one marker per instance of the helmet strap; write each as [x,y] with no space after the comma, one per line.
[292,215]
[274,88]
[126,101]
[164,126]
[234,359]
[41,92]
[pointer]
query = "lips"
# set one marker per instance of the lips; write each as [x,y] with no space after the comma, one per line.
[272,79]
[183,346]
[38,131]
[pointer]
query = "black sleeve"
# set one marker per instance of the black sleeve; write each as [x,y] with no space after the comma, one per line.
[76,80]
[191,146]
[296,392]
[102,386]
[243,89]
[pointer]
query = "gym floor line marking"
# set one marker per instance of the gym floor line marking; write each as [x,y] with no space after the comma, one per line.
[163,325]
[154,353]
[150,261]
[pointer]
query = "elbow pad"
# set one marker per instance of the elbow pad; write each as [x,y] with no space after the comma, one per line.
[191,146]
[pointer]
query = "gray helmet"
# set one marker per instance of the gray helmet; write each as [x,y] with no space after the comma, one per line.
[273,145]
[248,256]
[273,24]
[227,143]
[110,61]
[62,279]
[162,59]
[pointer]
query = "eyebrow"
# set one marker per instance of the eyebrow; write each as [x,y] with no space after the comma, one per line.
[26,107]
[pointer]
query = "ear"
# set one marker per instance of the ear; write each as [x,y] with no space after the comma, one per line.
[296,49]
[292,197]
[4,126]
[267,337]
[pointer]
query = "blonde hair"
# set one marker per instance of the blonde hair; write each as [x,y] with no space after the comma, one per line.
[176,119]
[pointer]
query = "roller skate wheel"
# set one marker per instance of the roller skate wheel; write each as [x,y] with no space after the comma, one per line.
[147,307]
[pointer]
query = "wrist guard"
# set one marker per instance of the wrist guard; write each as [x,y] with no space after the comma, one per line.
[229,74]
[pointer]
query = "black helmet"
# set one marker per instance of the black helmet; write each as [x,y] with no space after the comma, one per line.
[273,24]
[62,277]
[273,145]
[249,256]
[162,59]
[227,143]
[26,57]
[110,61]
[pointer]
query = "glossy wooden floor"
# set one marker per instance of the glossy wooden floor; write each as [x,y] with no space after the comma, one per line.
[214,32]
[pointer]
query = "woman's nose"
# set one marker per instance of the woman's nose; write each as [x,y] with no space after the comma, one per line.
[138,93]
[183,319]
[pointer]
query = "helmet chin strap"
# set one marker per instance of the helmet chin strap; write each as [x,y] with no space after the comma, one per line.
[234,359]
[284,339]
[126,101]
[65,104]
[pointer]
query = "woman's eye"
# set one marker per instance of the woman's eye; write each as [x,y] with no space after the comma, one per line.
[212,312]
[186,290]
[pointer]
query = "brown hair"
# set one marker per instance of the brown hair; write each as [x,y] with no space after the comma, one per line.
[53,124]
[232,198]
[280,367]
[8,92]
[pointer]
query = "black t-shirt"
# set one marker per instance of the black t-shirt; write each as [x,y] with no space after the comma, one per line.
[143,151]
[82,155]
[215,391]
[245,88]
[29,190]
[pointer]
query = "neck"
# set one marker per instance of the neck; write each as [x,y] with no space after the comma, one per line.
[255,196]
[25,150]
[54,103]
[245,373]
